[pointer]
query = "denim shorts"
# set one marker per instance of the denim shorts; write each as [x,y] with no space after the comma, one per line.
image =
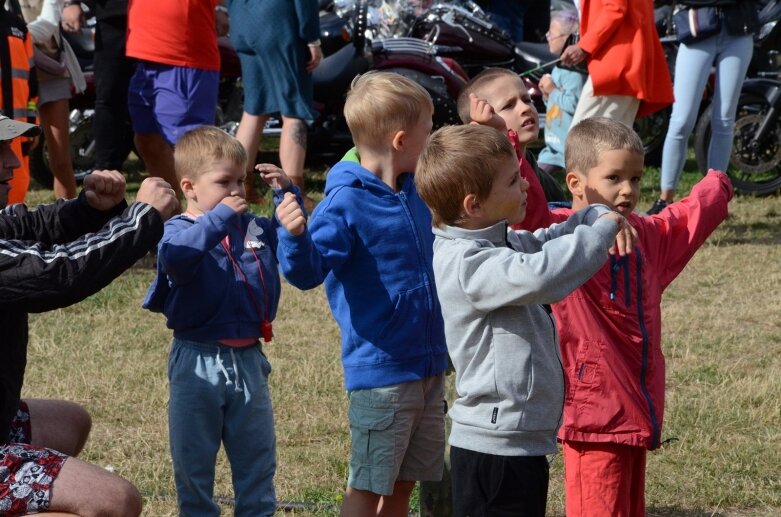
[398,434]
[171,100]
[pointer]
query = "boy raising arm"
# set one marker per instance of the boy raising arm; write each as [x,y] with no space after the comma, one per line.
[492,286]
[370,241]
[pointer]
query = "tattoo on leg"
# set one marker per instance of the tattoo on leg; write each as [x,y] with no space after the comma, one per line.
[298,132]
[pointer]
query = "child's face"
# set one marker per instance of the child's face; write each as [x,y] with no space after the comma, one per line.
[510,99]
[615,180]
[415,140]
[10,162]
[507,199]
[210,187]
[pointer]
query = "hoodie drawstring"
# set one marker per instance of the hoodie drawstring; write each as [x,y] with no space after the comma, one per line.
[228,381]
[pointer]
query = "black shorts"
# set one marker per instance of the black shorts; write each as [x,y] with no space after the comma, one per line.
[485,485]
[26,472]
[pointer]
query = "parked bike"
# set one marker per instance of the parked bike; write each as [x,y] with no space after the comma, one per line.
[755,163]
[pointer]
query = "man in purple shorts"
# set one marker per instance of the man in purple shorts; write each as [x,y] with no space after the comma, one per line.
[174,88]
[52,257]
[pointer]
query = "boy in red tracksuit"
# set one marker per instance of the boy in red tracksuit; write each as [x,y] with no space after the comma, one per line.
[610,327]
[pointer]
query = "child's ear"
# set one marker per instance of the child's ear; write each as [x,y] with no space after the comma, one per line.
[471,205]
[576,183]
[186,185]
[398,140]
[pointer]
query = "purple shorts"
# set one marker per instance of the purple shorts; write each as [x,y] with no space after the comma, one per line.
[171,100]
[26,471]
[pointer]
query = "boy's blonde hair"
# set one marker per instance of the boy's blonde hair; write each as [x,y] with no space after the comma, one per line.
[381,103]
[587,140]
[475,85]
[198,149]
[458,161]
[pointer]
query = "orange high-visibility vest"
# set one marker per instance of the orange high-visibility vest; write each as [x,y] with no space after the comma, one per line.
[16,62]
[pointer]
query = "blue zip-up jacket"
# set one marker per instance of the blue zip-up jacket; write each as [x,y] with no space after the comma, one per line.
[373,248]
[199,288]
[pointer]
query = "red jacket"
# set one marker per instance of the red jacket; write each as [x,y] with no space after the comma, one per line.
[626,57]
[610,329]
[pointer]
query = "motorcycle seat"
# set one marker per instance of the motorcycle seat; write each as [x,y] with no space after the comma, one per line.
[333,77]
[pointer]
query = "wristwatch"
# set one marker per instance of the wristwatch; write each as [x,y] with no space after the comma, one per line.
[220,9]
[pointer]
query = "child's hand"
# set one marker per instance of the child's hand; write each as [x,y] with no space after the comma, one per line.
[104,189]
[236,202]
[626,236]
[483,114]
[273,175]
[291,216]
[546,84]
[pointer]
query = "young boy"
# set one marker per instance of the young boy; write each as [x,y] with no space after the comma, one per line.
[610,328]
[218,286]
[492,286]
[370,241]
[498,98]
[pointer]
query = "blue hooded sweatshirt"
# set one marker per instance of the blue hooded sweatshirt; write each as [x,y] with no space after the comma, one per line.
[373,248]
[208,294]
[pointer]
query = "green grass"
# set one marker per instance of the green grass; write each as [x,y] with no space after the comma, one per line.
[722,339]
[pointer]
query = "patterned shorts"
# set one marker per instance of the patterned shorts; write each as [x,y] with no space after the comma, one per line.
[26,472]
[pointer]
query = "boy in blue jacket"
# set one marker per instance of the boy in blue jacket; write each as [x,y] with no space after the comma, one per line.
[370,241]
[218,286]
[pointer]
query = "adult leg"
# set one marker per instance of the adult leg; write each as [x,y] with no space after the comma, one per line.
[732,63]
[113,133]
[691,73]
[616,107]
[58,424]
[158,155]
[248,435]
[88,490]
[249,134]
[359,502]
[292,153]
[396,504]
[56,128]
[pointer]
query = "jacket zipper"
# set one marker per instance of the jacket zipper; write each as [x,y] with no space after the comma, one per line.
[644,369]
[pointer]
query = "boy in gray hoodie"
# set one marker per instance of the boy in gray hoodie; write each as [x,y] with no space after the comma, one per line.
[493,285]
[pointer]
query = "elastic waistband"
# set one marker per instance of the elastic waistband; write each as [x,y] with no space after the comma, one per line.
[213,346]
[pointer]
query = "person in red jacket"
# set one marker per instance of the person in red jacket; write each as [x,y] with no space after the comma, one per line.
[628,73]
[610,327]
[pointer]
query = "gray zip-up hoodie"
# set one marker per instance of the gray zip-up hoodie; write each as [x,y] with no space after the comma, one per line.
[491,284]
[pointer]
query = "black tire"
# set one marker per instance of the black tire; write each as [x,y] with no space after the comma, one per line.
[445,108]
[82,144]
[652,130]
[752,171]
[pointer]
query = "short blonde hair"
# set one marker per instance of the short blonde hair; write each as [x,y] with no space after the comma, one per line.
[588,139]
[475,85]
[458,161]
[381,103]
[199,148]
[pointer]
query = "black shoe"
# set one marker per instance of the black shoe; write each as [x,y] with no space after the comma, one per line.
[657,207]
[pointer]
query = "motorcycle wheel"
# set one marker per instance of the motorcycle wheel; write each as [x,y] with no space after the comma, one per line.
[652,131]
[82,147]
[752,171]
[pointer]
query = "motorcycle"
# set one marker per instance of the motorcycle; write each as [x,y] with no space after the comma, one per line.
[328,136]
[755,162]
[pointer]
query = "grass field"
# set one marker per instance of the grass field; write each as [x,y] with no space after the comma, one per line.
[722,339]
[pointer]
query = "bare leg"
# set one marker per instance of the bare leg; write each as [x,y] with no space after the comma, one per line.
[359,502]
[58,424]
[667,195]
[292,153]
[55,123]
[249,133]
[88,490]
[158,156]
[396,505]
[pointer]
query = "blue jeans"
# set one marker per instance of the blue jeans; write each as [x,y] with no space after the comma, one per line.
[219,394]
[731,56]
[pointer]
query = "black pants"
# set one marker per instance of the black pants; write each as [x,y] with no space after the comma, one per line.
[113,132]
[485,485]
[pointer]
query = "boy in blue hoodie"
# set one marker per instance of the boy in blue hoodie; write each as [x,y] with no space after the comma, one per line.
[370,242]
[218,286]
